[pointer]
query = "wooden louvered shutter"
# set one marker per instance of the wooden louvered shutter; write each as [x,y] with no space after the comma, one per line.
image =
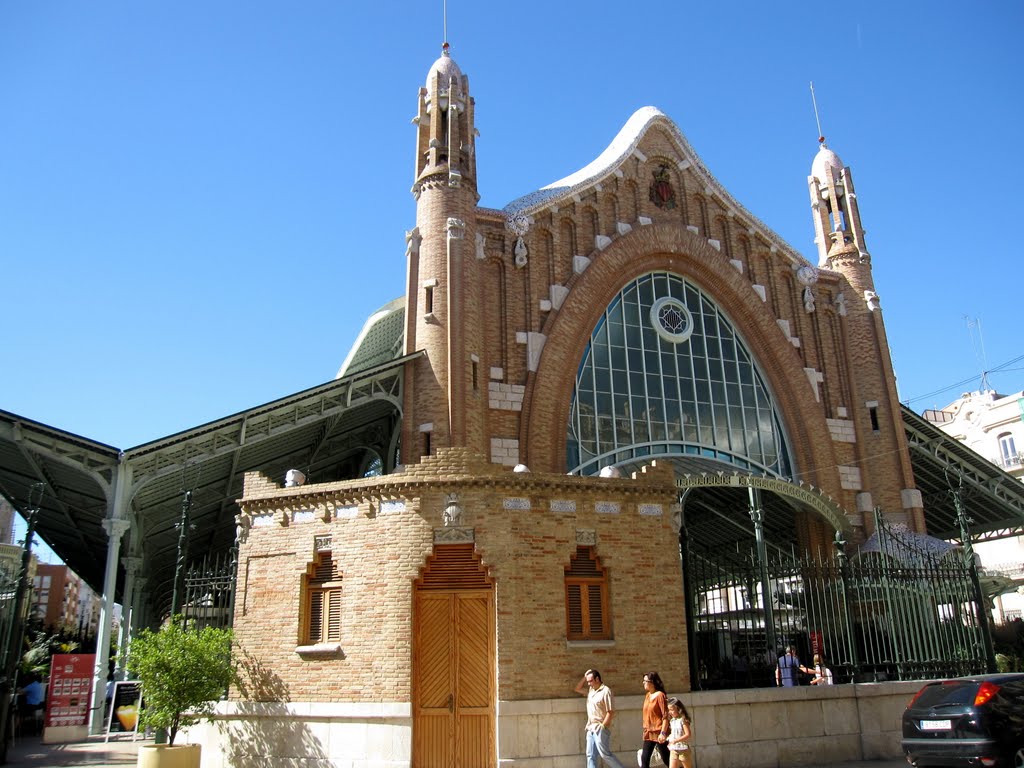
[574,608]
[586,597]
[323,596]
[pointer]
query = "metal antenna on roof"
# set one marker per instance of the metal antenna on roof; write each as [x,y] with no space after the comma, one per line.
[979,349]
[814,103]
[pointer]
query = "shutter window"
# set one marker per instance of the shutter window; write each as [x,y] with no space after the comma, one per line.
[323,600]
[586,597]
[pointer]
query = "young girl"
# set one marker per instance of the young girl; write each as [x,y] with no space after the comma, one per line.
[822,674]
[682,755]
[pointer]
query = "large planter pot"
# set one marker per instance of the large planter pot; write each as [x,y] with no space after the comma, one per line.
[169,756]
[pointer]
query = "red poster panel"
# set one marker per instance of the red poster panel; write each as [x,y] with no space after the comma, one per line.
[817,643]
[69,694]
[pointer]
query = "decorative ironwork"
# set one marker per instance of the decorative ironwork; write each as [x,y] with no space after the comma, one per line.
[899,613]
[209,590]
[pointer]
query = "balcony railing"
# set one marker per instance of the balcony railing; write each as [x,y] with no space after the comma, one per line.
[1011,462]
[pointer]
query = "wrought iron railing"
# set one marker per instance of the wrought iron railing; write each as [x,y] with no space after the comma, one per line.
[210,591]
[896,614]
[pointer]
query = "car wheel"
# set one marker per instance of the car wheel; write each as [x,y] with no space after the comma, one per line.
[1018,757]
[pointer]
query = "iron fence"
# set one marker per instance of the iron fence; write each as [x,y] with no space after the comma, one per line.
[896,614]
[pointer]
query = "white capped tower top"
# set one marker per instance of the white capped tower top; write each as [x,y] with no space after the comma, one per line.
[446,67]
[826,158]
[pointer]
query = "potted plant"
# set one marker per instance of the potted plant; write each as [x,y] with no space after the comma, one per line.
[183,672]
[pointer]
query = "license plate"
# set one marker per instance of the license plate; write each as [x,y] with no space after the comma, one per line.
[936,725]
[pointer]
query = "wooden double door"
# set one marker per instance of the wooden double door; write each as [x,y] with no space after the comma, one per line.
[453,667]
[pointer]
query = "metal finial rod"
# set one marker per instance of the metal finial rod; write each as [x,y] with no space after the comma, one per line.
[814,103]
[444,13]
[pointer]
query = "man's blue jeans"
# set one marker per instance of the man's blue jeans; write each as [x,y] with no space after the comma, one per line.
[599,745]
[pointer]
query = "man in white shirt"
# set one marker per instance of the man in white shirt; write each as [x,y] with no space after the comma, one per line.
[600,711]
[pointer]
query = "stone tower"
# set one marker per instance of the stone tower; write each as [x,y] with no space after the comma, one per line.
[444,406]
[881,450]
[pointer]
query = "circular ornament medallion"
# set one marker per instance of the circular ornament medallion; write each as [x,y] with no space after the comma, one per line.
[672,320]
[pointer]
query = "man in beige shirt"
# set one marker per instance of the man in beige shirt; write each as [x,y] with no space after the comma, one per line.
[600,711]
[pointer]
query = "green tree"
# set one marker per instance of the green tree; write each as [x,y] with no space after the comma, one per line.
[183,672]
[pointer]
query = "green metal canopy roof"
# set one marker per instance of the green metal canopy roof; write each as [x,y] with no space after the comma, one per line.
[326,431]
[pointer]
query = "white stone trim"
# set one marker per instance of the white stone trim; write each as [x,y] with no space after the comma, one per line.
[842,430]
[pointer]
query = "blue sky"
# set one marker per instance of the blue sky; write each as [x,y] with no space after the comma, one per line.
[200,203]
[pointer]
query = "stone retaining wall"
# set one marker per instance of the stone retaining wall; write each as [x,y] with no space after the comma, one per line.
[753,728]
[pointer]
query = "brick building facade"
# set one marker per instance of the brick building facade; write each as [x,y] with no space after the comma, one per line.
[630,325]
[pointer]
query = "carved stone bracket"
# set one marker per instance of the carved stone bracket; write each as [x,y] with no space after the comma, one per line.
[456,229]
[412,242]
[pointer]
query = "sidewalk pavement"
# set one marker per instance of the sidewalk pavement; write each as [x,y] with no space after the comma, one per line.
[32,753]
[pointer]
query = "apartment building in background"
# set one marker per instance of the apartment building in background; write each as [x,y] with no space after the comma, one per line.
[992,425]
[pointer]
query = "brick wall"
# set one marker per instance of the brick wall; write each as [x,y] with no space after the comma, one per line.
[380,549]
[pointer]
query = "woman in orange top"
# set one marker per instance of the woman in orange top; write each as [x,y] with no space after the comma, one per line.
[656,722]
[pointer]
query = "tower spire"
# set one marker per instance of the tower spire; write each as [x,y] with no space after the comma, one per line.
[817,119]
[837,227]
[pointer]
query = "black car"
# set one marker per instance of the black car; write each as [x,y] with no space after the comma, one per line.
[968,721]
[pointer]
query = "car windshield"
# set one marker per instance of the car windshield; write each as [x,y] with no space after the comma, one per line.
[947,695]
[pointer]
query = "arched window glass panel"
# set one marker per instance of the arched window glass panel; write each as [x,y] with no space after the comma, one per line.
[666,374]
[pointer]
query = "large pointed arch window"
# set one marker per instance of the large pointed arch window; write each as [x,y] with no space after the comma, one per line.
[666,374]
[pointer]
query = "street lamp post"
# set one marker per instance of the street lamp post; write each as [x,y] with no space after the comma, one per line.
[16,630]
[179,567]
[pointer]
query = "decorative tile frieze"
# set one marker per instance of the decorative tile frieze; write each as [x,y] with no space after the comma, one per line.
[516,502]
[607,507]
[262,521]
[303,516]
[346,512]
[650,510]
[391,506]
[322,543]
[562,505]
